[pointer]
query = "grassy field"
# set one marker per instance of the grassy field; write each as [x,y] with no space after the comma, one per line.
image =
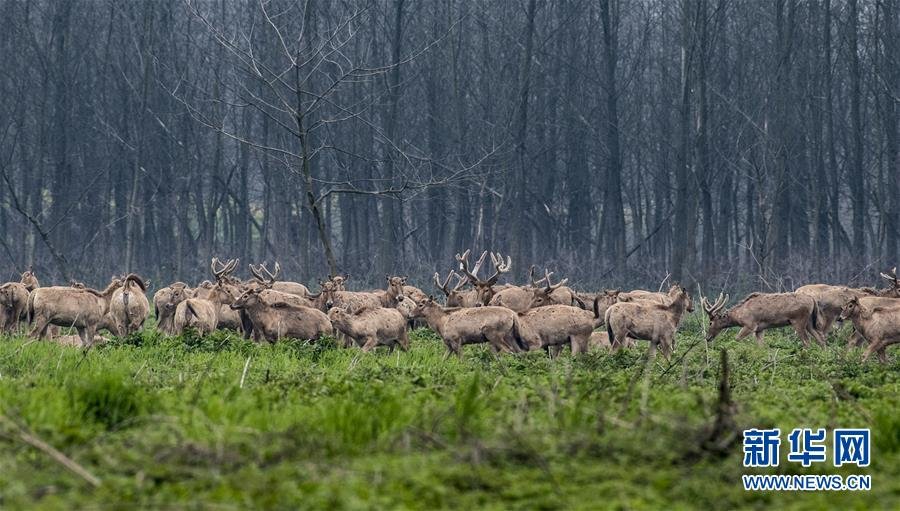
[161,421]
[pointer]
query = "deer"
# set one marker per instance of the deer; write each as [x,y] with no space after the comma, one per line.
[458,327]
[522,298]
[648,321]
[562,295]
[29,280]
[165,301]
[13,305]
[831,299]
[340,281]
[761,311]
[484,289]
[281,319]
[554,326]
[354,301]
[129,308]
[263,275]
[373,327]
[878,322]
[456,296]
[222,293]
[83,309]
[197,313]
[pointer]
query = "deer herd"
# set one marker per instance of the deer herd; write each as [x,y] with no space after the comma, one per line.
[509,318]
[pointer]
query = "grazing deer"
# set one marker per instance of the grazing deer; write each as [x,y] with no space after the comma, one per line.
[457,296]
[484,289]
[128,307]
[877,322]
[83,309]
[761,311]
[264,276]
[371,328]
[650,321]
[458,327]
[165,301]
[281,319]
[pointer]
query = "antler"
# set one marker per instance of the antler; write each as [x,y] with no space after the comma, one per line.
[256,271]
[272,276]
[443,287]
[537,283]
[552,287]
[892,276]
[224,269]
[716,307]
[500,266]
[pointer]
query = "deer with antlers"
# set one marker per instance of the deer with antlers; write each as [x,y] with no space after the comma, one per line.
[484,289]
[561,295]
[523,298]
[457,296]
[761,311]
[270,279]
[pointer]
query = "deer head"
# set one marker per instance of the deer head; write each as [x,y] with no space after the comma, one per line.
[453,294]
[542,294]
[484,287]
[718,319]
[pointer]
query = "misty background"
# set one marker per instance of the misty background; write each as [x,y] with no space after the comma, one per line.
[723,142]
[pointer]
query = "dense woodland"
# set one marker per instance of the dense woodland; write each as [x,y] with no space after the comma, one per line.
[724,142]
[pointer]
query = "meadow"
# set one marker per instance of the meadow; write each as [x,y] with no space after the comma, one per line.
[222,423]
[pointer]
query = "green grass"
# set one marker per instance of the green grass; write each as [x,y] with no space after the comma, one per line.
[164,420]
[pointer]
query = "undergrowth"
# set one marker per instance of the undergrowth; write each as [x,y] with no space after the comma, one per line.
[220,421]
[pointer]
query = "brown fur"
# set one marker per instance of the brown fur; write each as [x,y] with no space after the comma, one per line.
[197,313]
[371,328]
[458,327]
[760,311]
[129,308]
[165,301]
[831,299]
[13,305]
[648,320]
[82,309]
[274,321]
[877,321]
[557,325]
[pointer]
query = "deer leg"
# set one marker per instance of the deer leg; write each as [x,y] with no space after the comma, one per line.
[404,340]
[579,344]
[873,347]
[554,351]
[39,331]
[800,328]
[370,344]
[759,338]
[745,331]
